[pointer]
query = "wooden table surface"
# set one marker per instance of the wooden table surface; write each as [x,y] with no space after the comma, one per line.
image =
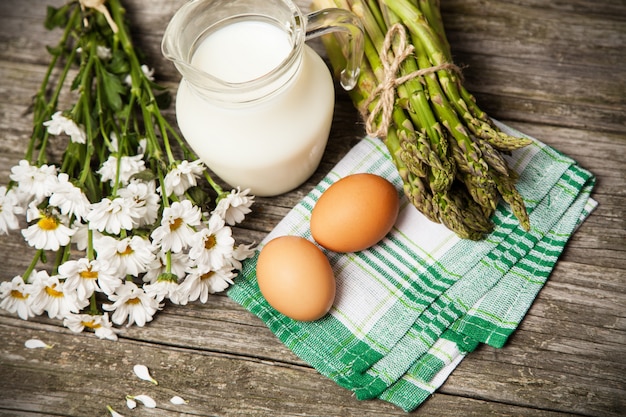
[554,70]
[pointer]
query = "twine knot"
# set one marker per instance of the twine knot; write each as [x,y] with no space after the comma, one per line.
[385,91]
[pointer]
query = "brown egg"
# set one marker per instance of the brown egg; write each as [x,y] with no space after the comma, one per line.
[355,213]
[296,278]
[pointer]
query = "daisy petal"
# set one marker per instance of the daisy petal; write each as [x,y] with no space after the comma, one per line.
[142,372]
[113,412]
[130,402]
[36,343]
[178,400]
[146,400]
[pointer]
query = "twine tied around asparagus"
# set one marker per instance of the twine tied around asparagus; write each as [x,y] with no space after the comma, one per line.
[391,59]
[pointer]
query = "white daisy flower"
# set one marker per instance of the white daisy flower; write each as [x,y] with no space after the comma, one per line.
[103,52]
[34,182]
[133,304]
[213,246]
[88,276]
[81,235]
[112,216]
[182,177]
[68,198]
[14,296]
[48,232]
[48,295]
[234,207]
[9,209]
[200,282]
[61,124]
[147,71]
[177,226]
[165,287]
[100,324]
[128,256]
[241,253]
[129,166]
[143,146]
[179,261]
[113,143]
[146,201]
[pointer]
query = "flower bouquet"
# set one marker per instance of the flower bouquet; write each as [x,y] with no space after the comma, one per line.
[123,211]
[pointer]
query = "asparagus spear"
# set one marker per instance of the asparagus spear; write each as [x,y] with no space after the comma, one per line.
[442,169]
[453,175]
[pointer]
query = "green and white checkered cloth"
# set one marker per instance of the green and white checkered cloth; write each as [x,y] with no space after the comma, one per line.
[409,309]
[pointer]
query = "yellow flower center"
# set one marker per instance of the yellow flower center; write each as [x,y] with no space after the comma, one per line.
[91,324]
[18,294]
[208,275]
[126,251]
[48,223]
[133,301]
[176,224]
[52,292]
[89,274]
[210,242]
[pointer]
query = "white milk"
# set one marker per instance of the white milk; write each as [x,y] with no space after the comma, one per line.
[273,145]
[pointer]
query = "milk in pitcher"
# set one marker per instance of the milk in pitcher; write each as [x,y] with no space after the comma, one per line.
[275,143]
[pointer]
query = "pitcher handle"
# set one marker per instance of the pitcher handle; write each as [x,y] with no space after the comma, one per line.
[339,20]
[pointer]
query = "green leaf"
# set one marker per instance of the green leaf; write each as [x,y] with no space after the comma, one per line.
[198,196]
[56,18]
[78,79]
[55,51]
[113,88]
[163,100]
[146,175]
[118,63]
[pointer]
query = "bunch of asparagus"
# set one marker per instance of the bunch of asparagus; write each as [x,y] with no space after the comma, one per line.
[447,150]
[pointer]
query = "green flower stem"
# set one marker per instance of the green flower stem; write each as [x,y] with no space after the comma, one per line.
[168,262]
[93,305]
[218,189]
[91,255]
[150,110]
[62,255]
[84,101]
[42,108]
[44,114]
[164,192]
[33,263]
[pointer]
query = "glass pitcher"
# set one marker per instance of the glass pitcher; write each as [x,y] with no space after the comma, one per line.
[255,102]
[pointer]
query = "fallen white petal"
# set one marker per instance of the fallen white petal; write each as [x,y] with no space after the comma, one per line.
[142,372]
[130,403]
[178,400]
[36,343]
[113,412]
[146,400]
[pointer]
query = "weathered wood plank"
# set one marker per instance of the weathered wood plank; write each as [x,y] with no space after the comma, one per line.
[558,64]
[85,381]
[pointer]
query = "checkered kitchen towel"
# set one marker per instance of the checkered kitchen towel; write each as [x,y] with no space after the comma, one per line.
[410,308]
